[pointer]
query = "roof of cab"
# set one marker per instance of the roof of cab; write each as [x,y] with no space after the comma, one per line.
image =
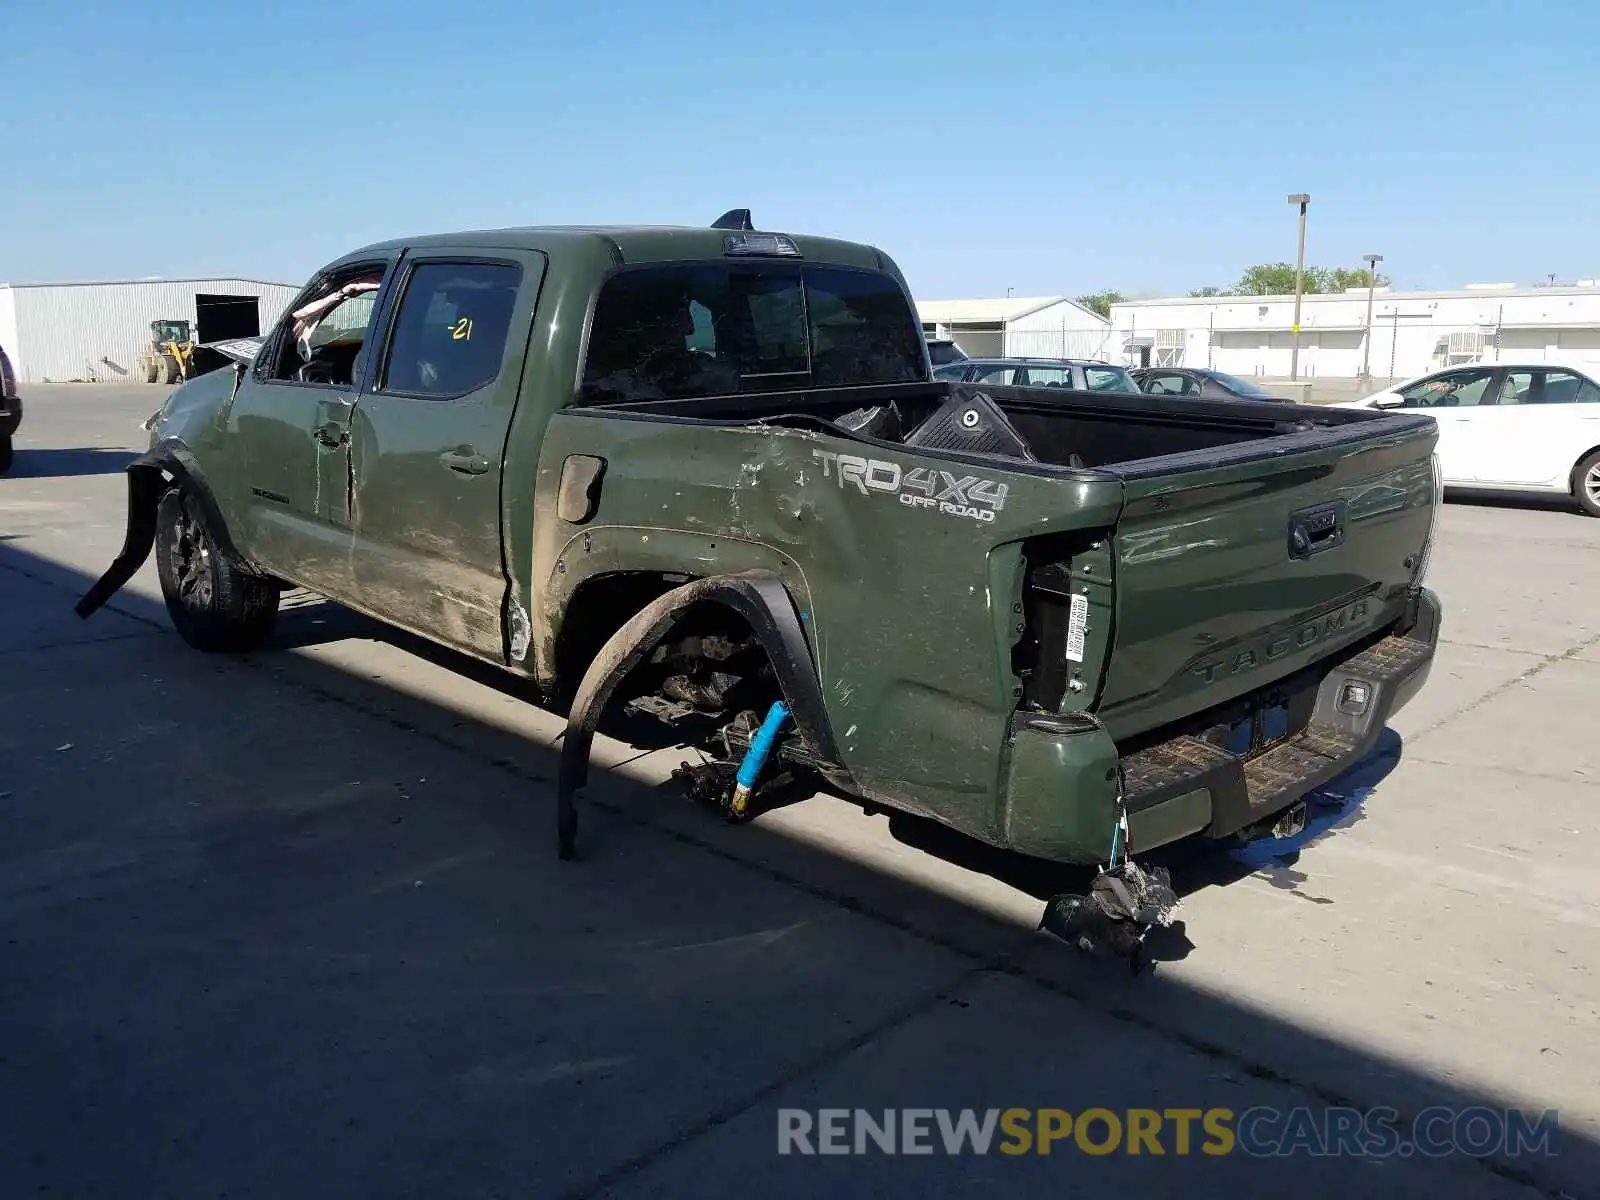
[636,243]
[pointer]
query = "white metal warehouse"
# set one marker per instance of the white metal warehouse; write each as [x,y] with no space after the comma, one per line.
[1022,326]
[1412,332]
[64,332]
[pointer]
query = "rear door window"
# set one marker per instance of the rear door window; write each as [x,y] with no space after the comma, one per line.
[451,329]
[1108,379]
[1546,387]
[999,376]
[1048,376]
[1168,384]
[714,329]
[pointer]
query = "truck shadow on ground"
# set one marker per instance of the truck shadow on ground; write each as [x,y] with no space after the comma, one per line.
[1194,865]
[236,876]
[1531,501]
[64,464]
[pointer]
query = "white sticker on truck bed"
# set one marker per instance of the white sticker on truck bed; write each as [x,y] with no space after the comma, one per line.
[940,491]
[1077,626]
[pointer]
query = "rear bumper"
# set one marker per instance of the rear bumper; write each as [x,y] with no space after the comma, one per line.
[10,414]
[1062,790]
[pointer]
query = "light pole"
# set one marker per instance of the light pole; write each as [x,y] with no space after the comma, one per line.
[1372,261]
[1303,200]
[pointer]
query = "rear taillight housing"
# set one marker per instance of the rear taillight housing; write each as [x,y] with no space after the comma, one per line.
[1426,557]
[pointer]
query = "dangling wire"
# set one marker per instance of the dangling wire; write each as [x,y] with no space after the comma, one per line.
[1119,836]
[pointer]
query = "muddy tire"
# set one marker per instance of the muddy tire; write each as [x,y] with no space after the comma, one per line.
[6,455]
[1586,484]
[214,605]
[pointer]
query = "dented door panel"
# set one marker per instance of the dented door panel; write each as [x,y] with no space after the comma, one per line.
[292,497]
[296,484]
[428,444]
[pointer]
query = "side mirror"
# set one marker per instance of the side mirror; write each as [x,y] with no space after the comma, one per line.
[1389,402]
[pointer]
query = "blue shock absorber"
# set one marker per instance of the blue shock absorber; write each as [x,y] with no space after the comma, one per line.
[756,757]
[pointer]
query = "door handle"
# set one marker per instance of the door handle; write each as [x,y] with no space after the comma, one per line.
[465,461]
[331,434]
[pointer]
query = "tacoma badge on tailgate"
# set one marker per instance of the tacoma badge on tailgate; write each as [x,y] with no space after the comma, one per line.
[1270,649]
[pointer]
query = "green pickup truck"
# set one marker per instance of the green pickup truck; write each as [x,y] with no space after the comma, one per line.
[706,474]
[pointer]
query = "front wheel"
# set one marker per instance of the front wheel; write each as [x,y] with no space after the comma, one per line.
[6,454]
[1586,484]
[215,606]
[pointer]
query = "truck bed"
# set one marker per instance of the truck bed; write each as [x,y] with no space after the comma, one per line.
[1250,539]
[1057,427]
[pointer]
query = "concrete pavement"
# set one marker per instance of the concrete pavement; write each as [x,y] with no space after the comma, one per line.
[295,922]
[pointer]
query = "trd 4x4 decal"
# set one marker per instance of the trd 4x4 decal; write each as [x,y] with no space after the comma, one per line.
[921,487]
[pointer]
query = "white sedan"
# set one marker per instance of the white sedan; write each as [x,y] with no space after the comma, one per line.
[1512,427]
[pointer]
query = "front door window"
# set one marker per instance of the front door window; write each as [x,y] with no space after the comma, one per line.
[1454,389]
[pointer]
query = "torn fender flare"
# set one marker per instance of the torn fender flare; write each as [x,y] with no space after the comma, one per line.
[757,596]
[147,480]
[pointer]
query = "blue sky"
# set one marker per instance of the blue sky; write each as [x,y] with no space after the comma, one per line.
[1047,148]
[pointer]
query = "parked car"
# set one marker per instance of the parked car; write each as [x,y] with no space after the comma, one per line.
[1201,381]
[10,410]
[1511,426]
[705,475]
[1079,374]
[942,351]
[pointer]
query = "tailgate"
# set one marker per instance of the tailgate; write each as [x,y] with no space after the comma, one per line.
[1236,567]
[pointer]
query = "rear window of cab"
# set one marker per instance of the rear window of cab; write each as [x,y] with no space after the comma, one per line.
[715,329]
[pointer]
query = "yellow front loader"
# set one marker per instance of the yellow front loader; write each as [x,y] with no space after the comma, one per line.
[169,358]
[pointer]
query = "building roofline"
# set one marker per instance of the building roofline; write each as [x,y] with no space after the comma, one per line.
[72,283]
[1360,294]
[1025,304]
[1044,303]
[1029,306]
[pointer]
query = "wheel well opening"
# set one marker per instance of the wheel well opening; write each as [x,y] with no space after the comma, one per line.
[1572,479]
[709,664]
[596,610]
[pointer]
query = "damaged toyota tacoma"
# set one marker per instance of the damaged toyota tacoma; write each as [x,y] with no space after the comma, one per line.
[706,474]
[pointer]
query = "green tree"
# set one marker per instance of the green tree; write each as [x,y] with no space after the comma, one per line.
[1272,279]
[1277,279]
[1101,302]
[1353,277]
[1204,293]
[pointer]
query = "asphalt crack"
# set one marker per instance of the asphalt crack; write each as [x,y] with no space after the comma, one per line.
[1494,693]
[70,642]
[820,1061]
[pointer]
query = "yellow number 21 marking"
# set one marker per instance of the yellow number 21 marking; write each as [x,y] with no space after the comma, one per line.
[461,331]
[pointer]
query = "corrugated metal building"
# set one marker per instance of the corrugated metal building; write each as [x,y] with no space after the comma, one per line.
[1412,332]
[1021,326]
[59,332]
